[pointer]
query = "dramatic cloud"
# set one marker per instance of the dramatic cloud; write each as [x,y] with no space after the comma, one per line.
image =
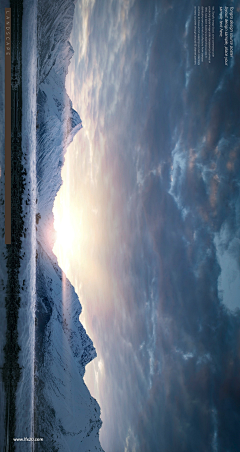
[154,187]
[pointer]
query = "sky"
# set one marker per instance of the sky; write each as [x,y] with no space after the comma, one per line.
[150,194]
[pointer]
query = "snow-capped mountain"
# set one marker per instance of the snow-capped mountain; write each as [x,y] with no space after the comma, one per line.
[57,123]
[66,416]
[55,22]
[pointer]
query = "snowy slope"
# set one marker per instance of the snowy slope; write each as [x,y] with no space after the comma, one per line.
[57,124]
[66,416]
[55,21]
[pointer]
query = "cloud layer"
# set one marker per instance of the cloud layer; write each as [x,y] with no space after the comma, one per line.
[154,187]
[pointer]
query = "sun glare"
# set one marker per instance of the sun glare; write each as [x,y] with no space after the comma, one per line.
[64,231]
[65,234]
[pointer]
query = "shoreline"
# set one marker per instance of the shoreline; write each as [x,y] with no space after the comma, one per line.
[11,371]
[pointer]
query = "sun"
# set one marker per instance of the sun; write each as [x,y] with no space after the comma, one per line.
[65,235]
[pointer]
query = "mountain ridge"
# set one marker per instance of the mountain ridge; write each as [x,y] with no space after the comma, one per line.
[66,415]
